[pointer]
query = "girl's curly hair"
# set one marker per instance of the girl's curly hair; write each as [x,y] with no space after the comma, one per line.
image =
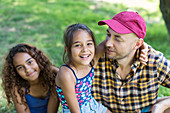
[11,79]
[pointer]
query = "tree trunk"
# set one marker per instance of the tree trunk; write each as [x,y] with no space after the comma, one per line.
[165,9]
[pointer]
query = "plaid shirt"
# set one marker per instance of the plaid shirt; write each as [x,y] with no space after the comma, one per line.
[138,90]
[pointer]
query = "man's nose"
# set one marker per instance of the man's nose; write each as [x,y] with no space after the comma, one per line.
[109,42]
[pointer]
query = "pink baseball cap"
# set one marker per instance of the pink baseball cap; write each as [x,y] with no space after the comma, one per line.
[127,22]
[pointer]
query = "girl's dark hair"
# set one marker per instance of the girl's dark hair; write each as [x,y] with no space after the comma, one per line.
[11,79]
[68,39]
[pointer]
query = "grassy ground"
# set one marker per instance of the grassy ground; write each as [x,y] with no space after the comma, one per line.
[42,23]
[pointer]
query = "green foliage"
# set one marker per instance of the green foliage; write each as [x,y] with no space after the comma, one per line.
[3,107]
[164,91]
[42,23]
[158,38]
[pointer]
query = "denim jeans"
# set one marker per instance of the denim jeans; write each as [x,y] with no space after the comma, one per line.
[91,107]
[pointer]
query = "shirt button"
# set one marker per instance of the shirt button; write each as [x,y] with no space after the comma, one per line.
[122,101]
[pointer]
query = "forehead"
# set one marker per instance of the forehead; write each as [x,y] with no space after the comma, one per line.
[123,36]
[81,35]
[20,58]
[112,31]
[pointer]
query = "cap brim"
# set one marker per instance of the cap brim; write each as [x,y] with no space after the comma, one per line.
[115,26]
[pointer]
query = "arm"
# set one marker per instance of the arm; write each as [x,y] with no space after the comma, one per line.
[20,108]
[53,103]
[66,81]
[161,105]
[99,51]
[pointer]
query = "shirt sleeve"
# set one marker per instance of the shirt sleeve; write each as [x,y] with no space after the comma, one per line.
[164,71]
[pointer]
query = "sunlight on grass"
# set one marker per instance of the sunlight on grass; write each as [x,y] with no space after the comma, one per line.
[33,18]
[150,5]
[58,44]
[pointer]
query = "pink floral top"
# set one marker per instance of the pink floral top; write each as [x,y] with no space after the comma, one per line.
[82,89]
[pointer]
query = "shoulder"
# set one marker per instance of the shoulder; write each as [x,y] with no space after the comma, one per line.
[65,72]
[155,55]
[15,94]
[19,100]
[15,90]
[65,75]
[156,58]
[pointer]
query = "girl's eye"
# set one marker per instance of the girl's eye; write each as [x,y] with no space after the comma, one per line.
[77,45]
[30,62]
[90,43]
[20,68]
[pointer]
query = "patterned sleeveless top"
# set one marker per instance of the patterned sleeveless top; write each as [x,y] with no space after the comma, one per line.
[82,89]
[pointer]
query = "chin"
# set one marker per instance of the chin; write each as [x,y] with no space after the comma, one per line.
[111,56]
[86,63]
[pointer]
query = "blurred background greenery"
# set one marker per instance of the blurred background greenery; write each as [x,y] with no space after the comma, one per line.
[42,23]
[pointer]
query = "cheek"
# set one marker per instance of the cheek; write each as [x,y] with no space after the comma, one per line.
[37,66]
[21,74]
[75,52]
[120,49]
[93,49]
[120,46]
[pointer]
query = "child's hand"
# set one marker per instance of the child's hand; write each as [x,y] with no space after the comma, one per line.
[144,54]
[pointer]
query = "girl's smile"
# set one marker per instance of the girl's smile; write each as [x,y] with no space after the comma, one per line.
[85,56]
[30,74]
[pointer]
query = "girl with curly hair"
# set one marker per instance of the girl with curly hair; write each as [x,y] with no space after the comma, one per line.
[28,80]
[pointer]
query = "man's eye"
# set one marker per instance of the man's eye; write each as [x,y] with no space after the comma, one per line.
[108,34]
[117,39]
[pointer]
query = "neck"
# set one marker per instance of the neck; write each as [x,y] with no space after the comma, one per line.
[128,60]
[81,70]
[80,67]
[125,65]
[33,83]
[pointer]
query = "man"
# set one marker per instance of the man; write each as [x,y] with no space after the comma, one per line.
[121,82]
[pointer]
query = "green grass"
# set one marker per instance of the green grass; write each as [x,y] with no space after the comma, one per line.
[42,23]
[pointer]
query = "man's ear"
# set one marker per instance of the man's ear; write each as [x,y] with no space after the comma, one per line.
[139,43]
